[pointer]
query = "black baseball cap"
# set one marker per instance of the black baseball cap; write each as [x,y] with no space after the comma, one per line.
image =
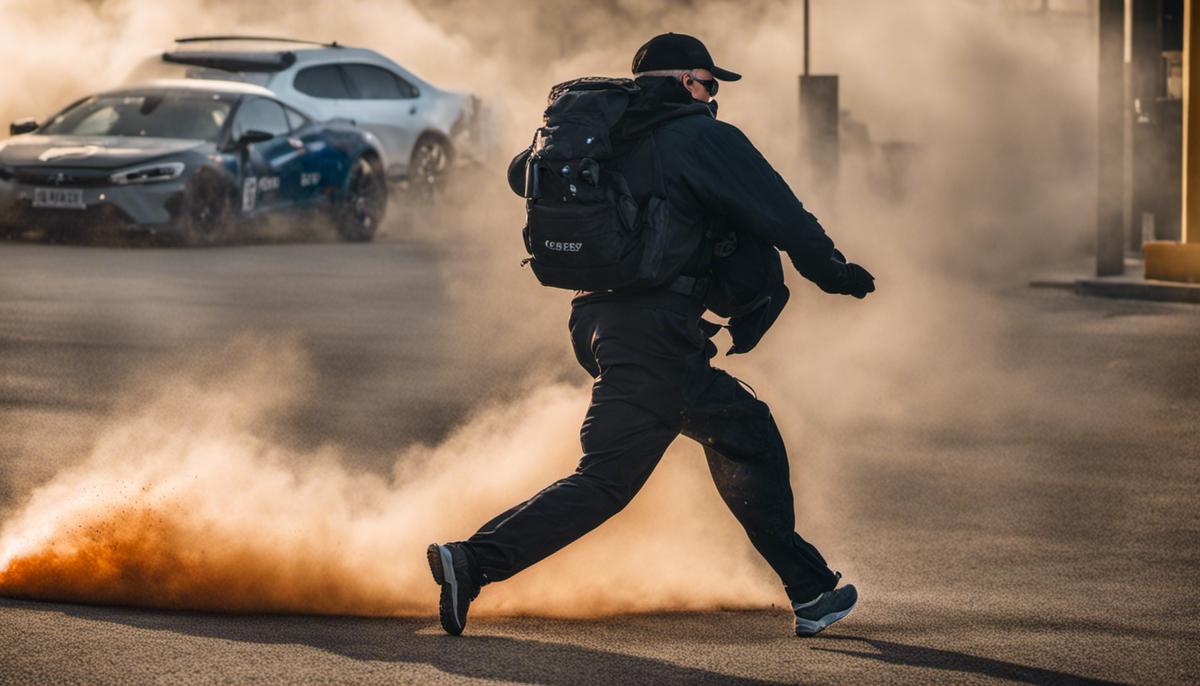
[678,51]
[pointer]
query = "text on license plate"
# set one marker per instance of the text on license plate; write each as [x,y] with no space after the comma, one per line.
[66,198]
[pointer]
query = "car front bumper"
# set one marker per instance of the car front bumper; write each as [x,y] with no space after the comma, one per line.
[149,207]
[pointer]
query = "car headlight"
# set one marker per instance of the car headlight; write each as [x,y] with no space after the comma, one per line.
[148,173]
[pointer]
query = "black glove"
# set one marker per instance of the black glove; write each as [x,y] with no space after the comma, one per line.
[853,280]
[859,281]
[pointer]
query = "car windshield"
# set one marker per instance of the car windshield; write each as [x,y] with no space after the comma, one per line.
[158,114]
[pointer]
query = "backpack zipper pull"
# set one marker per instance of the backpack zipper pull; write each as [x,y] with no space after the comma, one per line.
[525,262]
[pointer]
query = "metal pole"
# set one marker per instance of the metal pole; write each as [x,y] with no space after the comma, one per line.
[1190,226]
[1127,213]
[806,34]
[1110,234]
[1147,160]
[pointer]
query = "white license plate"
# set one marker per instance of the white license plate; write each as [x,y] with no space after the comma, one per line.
[59,198]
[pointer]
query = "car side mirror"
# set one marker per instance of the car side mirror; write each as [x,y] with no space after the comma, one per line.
[253,136]
[21,126]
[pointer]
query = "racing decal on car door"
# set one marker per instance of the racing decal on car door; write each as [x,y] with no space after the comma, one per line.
[249,193]
[310,179]
[267,184]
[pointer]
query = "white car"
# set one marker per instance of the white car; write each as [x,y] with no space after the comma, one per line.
[423,129]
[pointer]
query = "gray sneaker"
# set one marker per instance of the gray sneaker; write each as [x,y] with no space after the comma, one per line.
[825,609]
[453,573]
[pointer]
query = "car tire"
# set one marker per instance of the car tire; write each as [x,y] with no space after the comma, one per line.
[206,214]
[429,168]
[360,210]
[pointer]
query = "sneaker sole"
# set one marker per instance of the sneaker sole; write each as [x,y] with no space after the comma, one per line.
[807,627]
[442,567]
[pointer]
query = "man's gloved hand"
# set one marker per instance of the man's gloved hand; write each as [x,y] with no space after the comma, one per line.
[859,281]
[853,279]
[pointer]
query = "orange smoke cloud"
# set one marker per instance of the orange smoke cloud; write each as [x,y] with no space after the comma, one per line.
[161,557]
[143,556]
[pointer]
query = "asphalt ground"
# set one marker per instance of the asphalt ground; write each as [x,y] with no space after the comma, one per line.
[1044,547]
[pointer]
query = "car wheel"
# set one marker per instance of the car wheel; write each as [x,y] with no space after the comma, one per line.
[429,168]
[360,211]
[205,217]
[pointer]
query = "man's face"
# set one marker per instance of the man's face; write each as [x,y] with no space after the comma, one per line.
[692,82]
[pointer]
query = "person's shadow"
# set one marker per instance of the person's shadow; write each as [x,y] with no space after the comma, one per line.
[502,658]
[933,658]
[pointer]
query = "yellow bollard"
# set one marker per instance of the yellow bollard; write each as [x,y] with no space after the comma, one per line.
[1171,261]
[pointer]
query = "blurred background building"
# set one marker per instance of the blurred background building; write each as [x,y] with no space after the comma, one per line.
[1142,58]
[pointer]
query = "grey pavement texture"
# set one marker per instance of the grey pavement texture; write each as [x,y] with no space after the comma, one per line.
[1046,547]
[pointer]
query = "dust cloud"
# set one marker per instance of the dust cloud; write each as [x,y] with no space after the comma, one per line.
[186,500]
[183,504]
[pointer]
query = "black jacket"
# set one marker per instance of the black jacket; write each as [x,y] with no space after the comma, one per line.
[717,180]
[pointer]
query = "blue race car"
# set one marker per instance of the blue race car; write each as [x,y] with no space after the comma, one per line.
[202,161]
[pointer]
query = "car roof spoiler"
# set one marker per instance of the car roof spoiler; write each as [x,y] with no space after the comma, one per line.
[269,39]
[232,61]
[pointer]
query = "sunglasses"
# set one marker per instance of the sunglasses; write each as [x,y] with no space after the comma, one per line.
[710,85]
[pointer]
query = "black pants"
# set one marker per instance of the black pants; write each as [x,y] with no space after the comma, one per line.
[649,356]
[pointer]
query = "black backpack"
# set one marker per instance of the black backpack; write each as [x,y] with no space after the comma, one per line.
[584,229]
